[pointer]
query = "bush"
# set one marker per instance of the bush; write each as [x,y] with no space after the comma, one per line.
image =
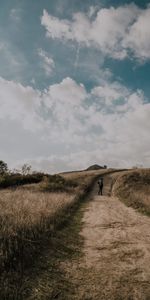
[3,168]
[56,183]
[18,179]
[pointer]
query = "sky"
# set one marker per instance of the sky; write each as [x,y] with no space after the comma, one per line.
[74,83]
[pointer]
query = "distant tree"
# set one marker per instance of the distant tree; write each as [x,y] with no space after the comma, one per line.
[3,167]
[26,169]
[16,171]
[105,167]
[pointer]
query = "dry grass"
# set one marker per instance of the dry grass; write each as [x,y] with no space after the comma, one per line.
[133,188]
[84,176]
[27,215]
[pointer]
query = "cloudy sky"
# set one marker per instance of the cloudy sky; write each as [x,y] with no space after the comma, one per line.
[74,83]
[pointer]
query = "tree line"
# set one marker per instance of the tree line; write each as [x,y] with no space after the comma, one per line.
[4,170]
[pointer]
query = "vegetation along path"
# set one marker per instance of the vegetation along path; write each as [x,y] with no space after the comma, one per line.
[114,262]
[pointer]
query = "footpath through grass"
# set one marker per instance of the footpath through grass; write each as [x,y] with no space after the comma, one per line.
[47,279]
[31,219]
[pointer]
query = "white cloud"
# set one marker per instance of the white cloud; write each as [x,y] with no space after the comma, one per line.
[110,27]
[108,92]
[115,31]
[78,29]
[55,28]
[67,92]
[48,63]
[64,102]
[92,10]
[19,103]
[67,128]
[138,38]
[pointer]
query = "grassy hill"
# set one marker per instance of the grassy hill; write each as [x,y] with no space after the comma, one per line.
[95,167]
[133,187]
[30,215]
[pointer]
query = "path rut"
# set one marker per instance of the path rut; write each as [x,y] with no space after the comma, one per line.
[116,255]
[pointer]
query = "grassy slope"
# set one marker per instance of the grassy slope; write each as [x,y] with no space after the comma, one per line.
[64,246]
[67,245]
[29,218]
[47,279]
[133,188]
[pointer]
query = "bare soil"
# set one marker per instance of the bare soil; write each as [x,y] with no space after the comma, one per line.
[115,264]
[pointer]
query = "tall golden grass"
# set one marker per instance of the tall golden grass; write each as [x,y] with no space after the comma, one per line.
[133,187]
[28,215]
[25,217]
[29,218]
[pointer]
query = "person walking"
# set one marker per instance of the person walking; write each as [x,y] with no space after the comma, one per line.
[101,184]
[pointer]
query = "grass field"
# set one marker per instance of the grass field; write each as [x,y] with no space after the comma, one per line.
[29,215]
[133,187]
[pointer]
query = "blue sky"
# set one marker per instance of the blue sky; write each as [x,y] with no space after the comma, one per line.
[74,79]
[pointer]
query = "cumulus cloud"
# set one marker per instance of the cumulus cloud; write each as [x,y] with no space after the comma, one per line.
[116,32]
[68,91]
[73,128]
[138,38]
[55,28]
[20,103]
[48,63]
[109,92]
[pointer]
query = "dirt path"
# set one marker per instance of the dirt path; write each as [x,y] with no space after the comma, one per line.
[116,256]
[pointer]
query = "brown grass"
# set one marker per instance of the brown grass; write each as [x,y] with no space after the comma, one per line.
[29,215]
[25,216]
[133,188]
[84,176]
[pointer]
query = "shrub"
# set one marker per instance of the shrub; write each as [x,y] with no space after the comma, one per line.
[3,168]
[56,183]
[18,179]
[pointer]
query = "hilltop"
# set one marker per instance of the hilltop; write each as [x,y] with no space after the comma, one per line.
[95,167]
